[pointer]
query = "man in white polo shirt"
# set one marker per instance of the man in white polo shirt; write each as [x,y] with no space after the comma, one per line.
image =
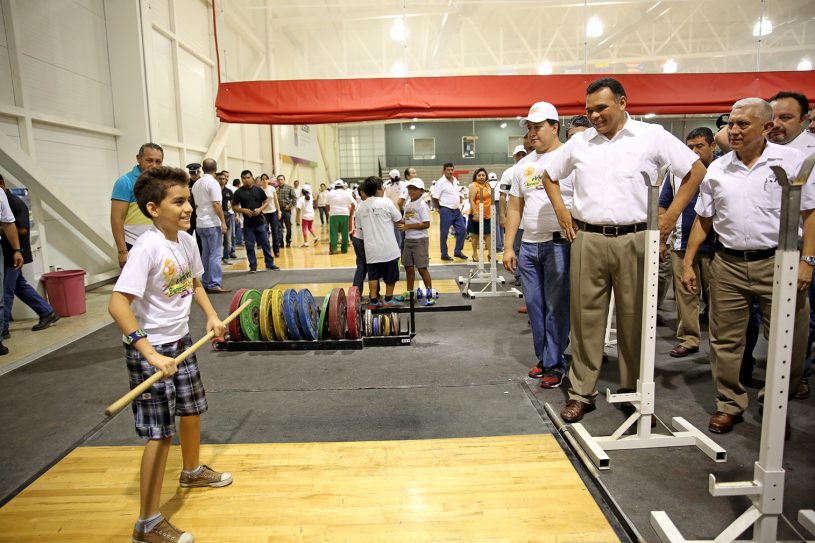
[447,199]
[743,267]
[607,224]
[210,225]
[340,204]
[544,256]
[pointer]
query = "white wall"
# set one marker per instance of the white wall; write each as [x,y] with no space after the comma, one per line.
[84,82]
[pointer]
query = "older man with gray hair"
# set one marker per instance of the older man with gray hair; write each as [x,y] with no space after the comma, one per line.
[742,270]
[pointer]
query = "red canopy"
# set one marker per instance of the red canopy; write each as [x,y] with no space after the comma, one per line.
[316,101]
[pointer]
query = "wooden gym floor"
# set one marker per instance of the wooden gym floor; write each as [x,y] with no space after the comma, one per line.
[434,490]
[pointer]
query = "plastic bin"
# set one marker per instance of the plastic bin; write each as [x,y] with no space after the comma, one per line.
[66,291]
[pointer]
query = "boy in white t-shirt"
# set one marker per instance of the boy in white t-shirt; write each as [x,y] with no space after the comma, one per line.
[374,220]
[415,252]
[151,305]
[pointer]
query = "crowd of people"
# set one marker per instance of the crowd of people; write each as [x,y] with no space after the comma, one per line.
[572,221]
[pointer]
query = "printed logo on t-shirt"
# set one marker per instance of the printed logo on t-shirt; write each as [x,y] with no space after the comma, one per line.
[409,214]
[174,282]
[533,178]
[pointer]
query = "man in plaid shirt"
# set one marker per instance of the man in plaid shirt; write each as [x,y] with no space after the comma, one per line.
[288,200]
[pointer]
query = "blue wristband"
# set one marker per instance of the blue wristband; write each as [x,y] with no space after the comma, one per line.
[135,336]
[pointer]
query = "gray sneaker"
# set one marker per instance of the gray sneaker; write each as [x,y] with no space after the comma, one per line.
[207,477]
[164,532]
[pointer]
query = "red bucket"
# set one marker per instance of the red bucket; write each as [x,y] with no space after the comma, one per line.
[66,291]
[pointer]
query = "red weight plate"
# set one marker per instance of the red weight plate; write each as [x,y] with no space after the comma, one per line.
[215,342]
[336,314]
[235,326]
[354,312]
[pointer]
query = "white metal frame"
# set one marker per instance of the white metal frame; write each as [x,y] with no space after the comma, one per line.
[479,275]
[766,490]
[609,330]
[684,433]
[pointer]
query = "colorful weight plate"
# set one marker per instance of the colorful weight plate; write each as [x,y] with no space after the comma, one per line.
[307,316]
[250,317]
[354,313]
[290,313]
[336,314]
[395,324]
[266,325]
[376,325]
[235,326]
[322,326]
[386,325]
[278,320]
[215,343]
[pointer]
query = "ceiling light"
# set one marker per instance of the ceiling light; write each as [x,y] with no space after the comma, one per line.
[503,125]
[594,28]
[804,65]
[413,127]
[763,27]
[670,66]
[398,31]
[545,68]
[398,69]
[650,115]
[444,19]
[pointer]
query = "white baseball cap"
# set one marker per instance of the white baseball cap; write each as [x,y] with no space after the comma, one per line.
[492,176]
[519,149]
[339,183]
[539,112]
[307,187]
[393,174]
[416,183]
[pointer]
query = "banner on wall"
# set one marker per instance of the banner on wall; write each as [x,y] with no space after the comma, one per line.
[353,100]
[297,143]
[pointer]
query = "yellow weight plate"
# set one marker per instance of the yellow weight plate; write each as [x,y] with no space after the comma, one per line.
[266,325]
[278,320]
[386,329]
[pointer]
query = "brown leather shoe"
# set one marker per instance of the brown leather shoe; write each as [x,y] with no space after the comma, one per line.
[802,392]
[681,351]
[721,423]
[574,410]
[522,309]
[218,290]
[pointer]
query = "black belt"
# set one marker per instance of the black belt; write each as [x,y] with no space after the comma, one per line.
[749,256]
[612,230]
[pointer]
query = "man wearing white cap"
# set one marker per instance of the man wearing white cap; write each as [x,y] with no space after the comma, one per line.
[543,258]
[340,205]
[396,192]
[607,223]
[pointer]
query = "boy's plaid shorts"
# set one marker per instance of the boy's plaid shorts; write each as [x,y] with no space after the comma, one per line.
[180,395]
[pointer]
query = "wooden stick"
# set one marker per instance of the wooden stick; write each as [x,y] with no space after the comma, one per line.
[122,402]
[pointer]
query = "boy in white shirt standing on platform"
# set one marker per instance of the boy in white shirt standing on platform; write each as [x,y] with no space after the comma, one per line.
[151,305]
[375,218]
[415,253]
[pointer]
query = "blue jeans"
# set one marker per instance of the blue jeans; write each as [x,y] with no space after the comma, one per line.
[516,246]
[362,264]
[211,240]
[811,339]
[237,234]
[229,245]
[323,214]
[452,217]
[274,226]
[545,274]
[15,284]
[260,234]
[285,217]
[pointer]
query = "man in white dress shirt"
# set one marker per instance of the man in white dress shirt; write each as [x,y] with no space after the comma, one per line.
[447,199]
[743,267]
[607,224]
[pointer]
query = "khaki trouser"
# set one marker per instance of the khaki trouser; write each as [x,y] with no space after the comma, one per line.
[599,263]
[733,286]
[687,304]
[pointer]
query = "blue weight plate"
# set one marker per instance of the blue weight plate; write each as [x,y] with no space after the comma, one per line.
[376,325]
[290,313]
[307,315]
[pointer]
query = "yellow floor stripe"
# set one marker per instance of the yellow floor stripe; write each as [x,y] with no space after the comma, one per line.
[514,488]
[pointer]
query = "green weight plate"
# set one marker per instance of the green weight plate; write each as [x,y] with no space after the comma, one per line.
[322,330]
[250,317]
[278,319]
[235,326]
[266,325]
